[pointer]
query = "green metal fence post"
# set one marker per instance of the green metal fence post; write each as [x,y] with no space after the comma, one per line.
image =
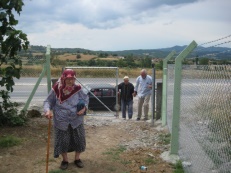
[34,89]
[46,68]
[176,97]
[164,89]
[117,99]
[48,62]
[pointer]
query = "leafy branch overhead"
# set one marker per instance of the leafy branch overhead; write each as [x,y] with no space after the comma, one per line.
[11,42]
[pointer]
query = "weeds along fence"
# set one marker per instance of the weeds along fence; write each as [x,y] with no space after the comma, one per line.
[205,117]
[35,70]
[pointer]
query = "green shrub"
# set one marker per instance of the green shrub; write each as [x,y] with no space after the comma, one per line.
[165,138]
[178,167]
[11,118]
[9,114]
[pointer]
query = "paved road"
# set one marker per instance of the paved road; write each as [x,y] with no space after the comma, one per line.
[24,86]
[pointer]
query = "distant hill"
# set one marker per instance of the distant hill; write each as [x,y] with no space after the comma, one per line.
[211,52]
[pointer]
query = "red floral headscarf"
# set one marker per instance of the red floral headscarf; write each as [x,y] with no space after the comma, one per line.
[62,91]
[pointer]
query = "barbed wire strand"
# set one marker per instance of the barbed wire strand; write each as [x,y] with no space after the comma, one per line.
[196,50]
[213,45]
[215,40]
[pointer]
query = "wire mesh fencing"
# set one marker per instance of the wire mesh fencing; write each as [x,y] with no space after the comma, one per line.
[170,93]
[32,65]
[205,131]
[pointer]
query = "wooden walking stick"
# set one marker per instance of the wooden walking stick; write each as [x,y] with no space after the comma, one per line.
[48,143]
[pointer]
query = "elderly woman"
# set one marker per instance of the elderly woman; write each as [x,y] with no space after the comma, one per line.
[68,103]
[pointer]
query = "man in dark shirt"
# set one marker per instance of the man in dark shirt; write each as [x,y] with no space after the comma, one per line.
[126,90]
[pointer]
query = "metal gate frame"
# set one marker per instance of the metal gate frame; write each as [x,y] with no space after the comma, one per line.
[116,84]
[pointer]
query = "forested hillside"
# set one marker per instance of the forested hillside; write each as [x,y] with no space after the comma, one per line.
[124,58]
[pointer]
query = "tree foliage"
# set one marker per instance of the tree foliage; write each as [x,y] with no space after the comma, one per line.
[11,42]
[203,61]
[78,56]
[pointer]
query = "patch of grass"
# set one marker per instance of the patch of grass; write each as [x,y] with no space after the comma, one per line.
[9,141]
[149,161]
[112,169]
[114,153]
[108,153]
[44,160]
[178,167]
[58,171]
[125,162]
[165,138]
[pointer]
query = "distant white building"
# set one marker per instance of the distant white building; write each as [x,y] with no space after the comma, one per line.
[156,60]
[120,57]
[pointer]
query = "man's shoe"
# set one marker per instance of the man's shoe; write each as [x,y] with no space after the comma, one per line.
[145,119]
[79,163]
[138,119]
[64,165]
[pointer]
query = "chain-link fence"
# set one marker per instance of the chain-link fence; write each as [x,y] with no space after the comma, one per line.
[32,65]
[205,131]
[102,79]
[32,87]
[108,105]
[36,65]
[170,91]
[32,68]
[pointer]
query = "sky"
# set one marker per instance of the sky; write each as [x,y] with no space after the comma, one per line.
[113,25]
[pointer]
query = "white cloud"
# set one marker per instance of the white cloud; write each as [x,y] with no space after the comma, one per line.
[122,24]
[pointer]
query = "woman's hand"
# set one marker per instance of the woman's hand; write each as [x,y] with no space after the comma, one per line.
[81,112]
[48,115]
[150,86]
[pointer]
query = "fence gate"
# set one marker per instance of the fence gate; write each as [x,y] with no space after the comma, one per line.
[100,84]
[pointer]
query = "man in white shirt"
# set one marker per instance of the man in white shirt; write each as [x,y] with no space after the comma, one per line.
[143,89]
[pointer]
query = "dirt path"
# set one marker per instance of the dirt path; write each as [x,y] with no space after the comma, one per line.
[113,145]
